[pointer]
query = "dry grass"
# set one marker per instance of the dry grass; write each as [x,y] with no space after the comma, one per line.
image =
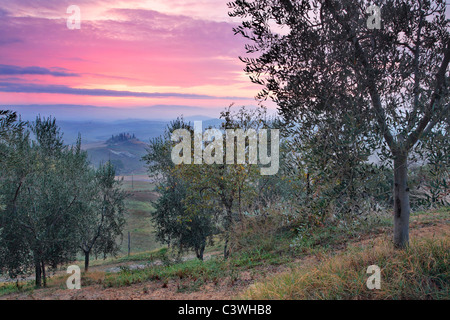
[419,272]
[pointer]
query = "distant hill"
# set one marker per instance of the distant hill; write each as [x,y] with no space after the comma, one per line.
[103,140]
[97,131]
[123,150]
[101,131]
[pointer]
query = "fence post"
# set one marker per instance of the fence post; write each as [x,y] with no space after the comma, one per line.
[129,243]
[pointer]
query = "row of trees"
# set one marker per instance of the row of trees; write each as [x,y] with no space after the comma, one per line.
[54,205]
[319,179]
[324,177]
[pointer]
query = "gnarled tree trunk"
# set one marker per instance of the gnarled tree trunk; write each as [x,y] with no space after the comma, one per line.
[200,250]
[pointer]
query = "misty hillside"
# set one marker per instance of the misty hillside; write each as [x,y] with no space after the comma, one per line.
[124,151]
[100,131]
[104,142]
[97,131]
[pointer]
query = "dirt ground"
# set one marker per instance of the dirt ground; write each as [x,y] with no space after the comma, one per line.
[226,289]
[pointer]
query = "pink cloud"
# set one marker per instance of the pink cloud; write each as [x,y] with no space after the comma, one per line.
[133,50]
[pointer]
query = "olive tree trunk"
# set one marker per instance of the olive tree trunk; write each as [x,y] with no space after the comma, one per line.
[228,223]
[38,273]
[401,201]
[44,276]
[86,261]
[200,250]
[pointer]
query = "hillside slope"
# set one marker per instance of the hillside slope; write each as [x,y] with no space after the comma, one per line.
[338,272]
[125,155]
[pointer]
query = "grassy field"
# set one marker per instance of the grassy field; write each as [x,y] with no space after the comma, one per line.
[139,208]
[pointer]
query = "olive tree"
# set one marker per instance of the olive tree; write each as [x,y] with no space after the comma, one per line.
[42,182]
[175,224]
[102,218]
[322,59]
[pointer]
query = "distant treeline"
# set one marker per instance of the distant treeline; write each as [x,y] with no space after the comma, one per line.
[121,138]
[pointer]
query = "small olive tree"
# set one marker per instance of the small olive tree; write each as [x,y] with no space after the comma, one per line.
[175,223]
[102,221]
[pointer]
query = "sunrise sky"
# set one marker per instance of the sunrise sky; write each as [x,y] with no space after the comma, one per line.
[126,54]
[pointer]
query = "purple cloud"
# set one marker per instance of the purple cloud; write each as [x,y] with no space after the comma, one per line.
[15,70]
[60,89]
